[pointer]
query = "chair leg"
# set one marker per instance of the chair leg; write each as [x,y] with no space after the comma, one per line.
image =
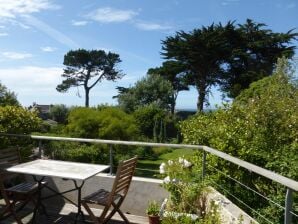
[14,214]
[89,211]
[116,209]
[102,218]
[123,216]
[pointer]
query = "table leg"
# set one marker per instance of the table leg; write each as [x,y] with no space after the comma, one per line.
[79,189]
[38,203]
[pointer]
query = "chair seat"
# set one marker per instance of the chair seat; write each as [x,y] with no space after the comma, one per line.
[100,197]
[23,188]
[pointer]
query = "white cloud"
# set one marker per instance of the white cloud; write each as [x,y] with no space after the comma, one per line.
[110,15]
[3,34]
[48,49]
[79,23]
[2,27]
[14,8]
[15,55]
[38,84]
[31,80]
[33,84]
[151,26]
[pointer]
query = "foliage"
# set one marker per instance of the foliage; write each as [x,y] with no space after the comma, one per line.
[72,151]
[201,51]
[151,89]
[254,52]
[231,56]
[188,193]
[7,98]
[153,208]
[17,120]
[106,123]
[101,123]
[85,66]
[155,123]
[174,72]
[259,127]
[59,113]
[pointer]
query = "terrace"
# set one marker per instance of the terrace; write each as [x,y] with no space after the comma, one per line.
[144,189]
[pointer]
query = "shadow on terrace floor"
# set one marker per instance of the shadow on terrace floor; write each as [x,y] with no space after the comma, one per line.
[67,216]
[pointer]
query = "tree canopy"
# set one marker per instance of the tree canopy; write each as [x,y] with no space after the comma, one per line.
[254,53]
[231,56]
[201,51]
[150,89]
[174,72]
[7,98]
[87,68]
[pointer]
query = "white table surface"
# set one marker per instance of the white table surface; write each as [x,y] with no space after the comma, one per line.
[62,169]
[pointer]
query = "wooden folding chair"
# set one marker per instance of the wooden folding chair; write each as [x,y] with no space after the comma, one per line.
[114,198]
[15,196]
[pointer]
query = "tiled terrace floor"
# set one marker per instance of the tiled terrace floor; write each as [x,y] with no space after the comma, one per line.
[67,214]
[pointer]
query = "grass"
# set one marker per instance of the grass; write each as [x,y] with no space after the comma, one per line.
[150,168]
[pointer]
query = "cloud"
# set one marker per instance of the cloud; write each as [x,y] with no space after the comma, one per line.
[151,26]
[15,55]
[111,15]
[3,34]
[12,9]
[48,49]
[31,76]
[79,23]
[50,31]
[33,84]
[38,84]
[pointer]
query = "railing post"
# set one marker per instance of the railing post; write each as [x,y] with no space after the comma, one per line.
[40,151]
[288,206]
[111,159]
[203,165]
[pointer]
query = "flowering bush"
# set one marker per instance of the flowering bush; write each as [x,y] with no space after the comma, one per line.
[187,193]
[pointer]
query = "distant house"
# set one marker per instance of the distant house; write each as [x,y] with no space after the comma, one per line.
[44,110]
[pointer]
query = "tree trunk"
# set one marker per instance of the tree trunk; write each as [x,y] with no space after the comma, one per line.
[201,98]
[173,104]
[87,97]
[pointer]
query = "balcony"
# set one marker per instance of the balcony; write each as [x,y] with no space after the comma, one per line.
[144,189]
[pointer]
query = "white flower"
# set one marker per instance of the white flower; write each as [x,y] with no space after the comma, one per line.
[175,180]
[167,180]
[162,168]
[186,163]
[181,160]
[170,162]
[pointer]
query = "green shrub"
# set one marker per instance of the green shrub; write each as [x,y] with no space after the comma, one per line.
[78,152]
[259,127]
[105,123]
[156,123]
[17,120]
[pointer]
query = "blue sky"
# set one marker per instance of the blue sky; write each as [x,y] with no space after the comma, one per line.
[35,35]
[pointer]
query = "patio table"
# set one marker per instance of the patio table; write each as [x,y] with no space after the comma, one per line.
[77,172]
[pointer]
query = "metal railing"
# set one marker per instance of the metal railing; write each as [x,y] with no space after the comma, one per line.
[290,184]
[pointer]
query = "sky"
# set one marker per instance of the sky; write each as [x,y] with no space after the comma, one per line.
[36,34]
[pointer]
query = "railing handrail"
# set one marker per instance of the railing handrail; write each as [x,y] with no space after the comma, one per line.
[289,183]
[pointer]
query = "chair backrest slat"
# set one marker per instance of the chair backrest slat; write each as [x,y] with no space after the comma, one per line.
[8,157]
[123,177]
